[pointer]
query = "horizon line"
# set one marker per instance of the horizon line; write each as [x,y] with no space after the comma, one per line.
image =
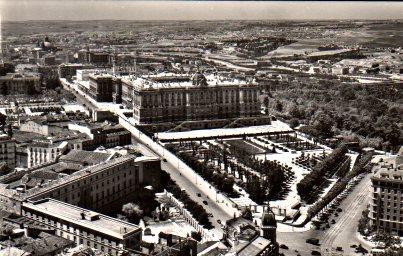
[162,20]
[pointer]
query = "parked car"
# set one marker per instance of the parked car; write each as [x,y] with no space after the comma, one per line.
[316,253]
[313,241]
[283,246]
[205,202]
[198,194]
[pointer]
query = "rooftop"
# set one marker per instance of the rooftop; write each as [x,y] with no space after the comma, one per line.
[44,244]
[391,168]
[86,171]
[255,247]
[84,218]
[85,157]
[172,80]
[20,76]
[275,127]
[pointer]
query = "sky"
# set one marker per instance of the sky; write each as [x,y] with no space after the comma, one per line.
[22,10]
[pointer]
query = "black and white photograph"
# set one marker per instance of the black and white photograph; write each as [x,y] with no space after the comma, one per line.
[201,128]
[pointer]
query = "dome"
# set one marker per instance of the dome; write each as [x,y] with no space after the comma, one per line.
[268,219]
[199,79]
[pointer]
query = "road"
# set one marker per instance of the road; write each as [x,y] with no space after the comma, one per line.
[342,233]
[192,190]
[218,214]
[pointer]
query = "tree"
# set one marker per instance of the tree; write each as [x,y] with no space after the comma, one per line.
[4,89]
[323,123]
[196,236]
[247,213]
[295,112]
[294,123]
[279,106]
[347,93]
[3,119]
[386,238]
[132,212]
[266,102]
[363,223]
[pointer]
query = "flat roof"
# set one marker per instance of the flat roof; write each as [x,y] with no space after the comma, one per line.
[93,220]
[275,127]
[255,247]
[167,80]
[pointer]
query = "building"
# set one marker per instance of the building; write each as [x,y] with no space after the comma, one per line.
[386,206]
[104,87]
[100,85]
[102,134]
[247,239]
[269,225]
[16,83]
[92,186]
[84,227]
[47,60]
[40,152]
[68,70]
[174,97]
[340,70]
[259,246]
[6,68]
[99,58]
[40,126]
[30,238]
[7,150]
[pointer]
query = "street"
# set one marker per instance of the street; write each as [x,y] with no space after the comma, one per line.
[342,233]
[192,190]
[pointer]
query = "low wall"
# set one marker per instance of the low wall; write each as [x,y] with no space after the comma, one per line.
[206,235]
[223,202]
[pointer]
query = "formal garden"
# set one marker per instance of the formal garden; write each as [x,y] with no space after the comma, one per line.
[224,163]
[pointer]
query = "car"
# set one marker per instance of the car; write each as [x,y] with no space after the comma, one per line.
[198,194]
[219,221]
[313,241]
[283,246]
[205,202]
[361,249]
[164,160]
[315,253]
[339,248]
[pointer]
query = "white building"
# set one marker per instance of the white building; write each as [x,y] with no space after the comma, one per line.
[43,152]
[90,229]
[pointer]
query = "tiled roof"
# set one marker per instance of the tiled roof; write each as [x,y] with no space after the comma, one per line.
[85,157]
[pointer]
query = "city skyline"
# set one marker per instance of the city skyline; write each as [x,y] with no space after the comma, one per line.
[187,128]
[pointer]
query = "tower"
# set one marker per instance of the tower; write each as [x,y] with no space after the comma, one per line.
[199,79]
[269,224]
